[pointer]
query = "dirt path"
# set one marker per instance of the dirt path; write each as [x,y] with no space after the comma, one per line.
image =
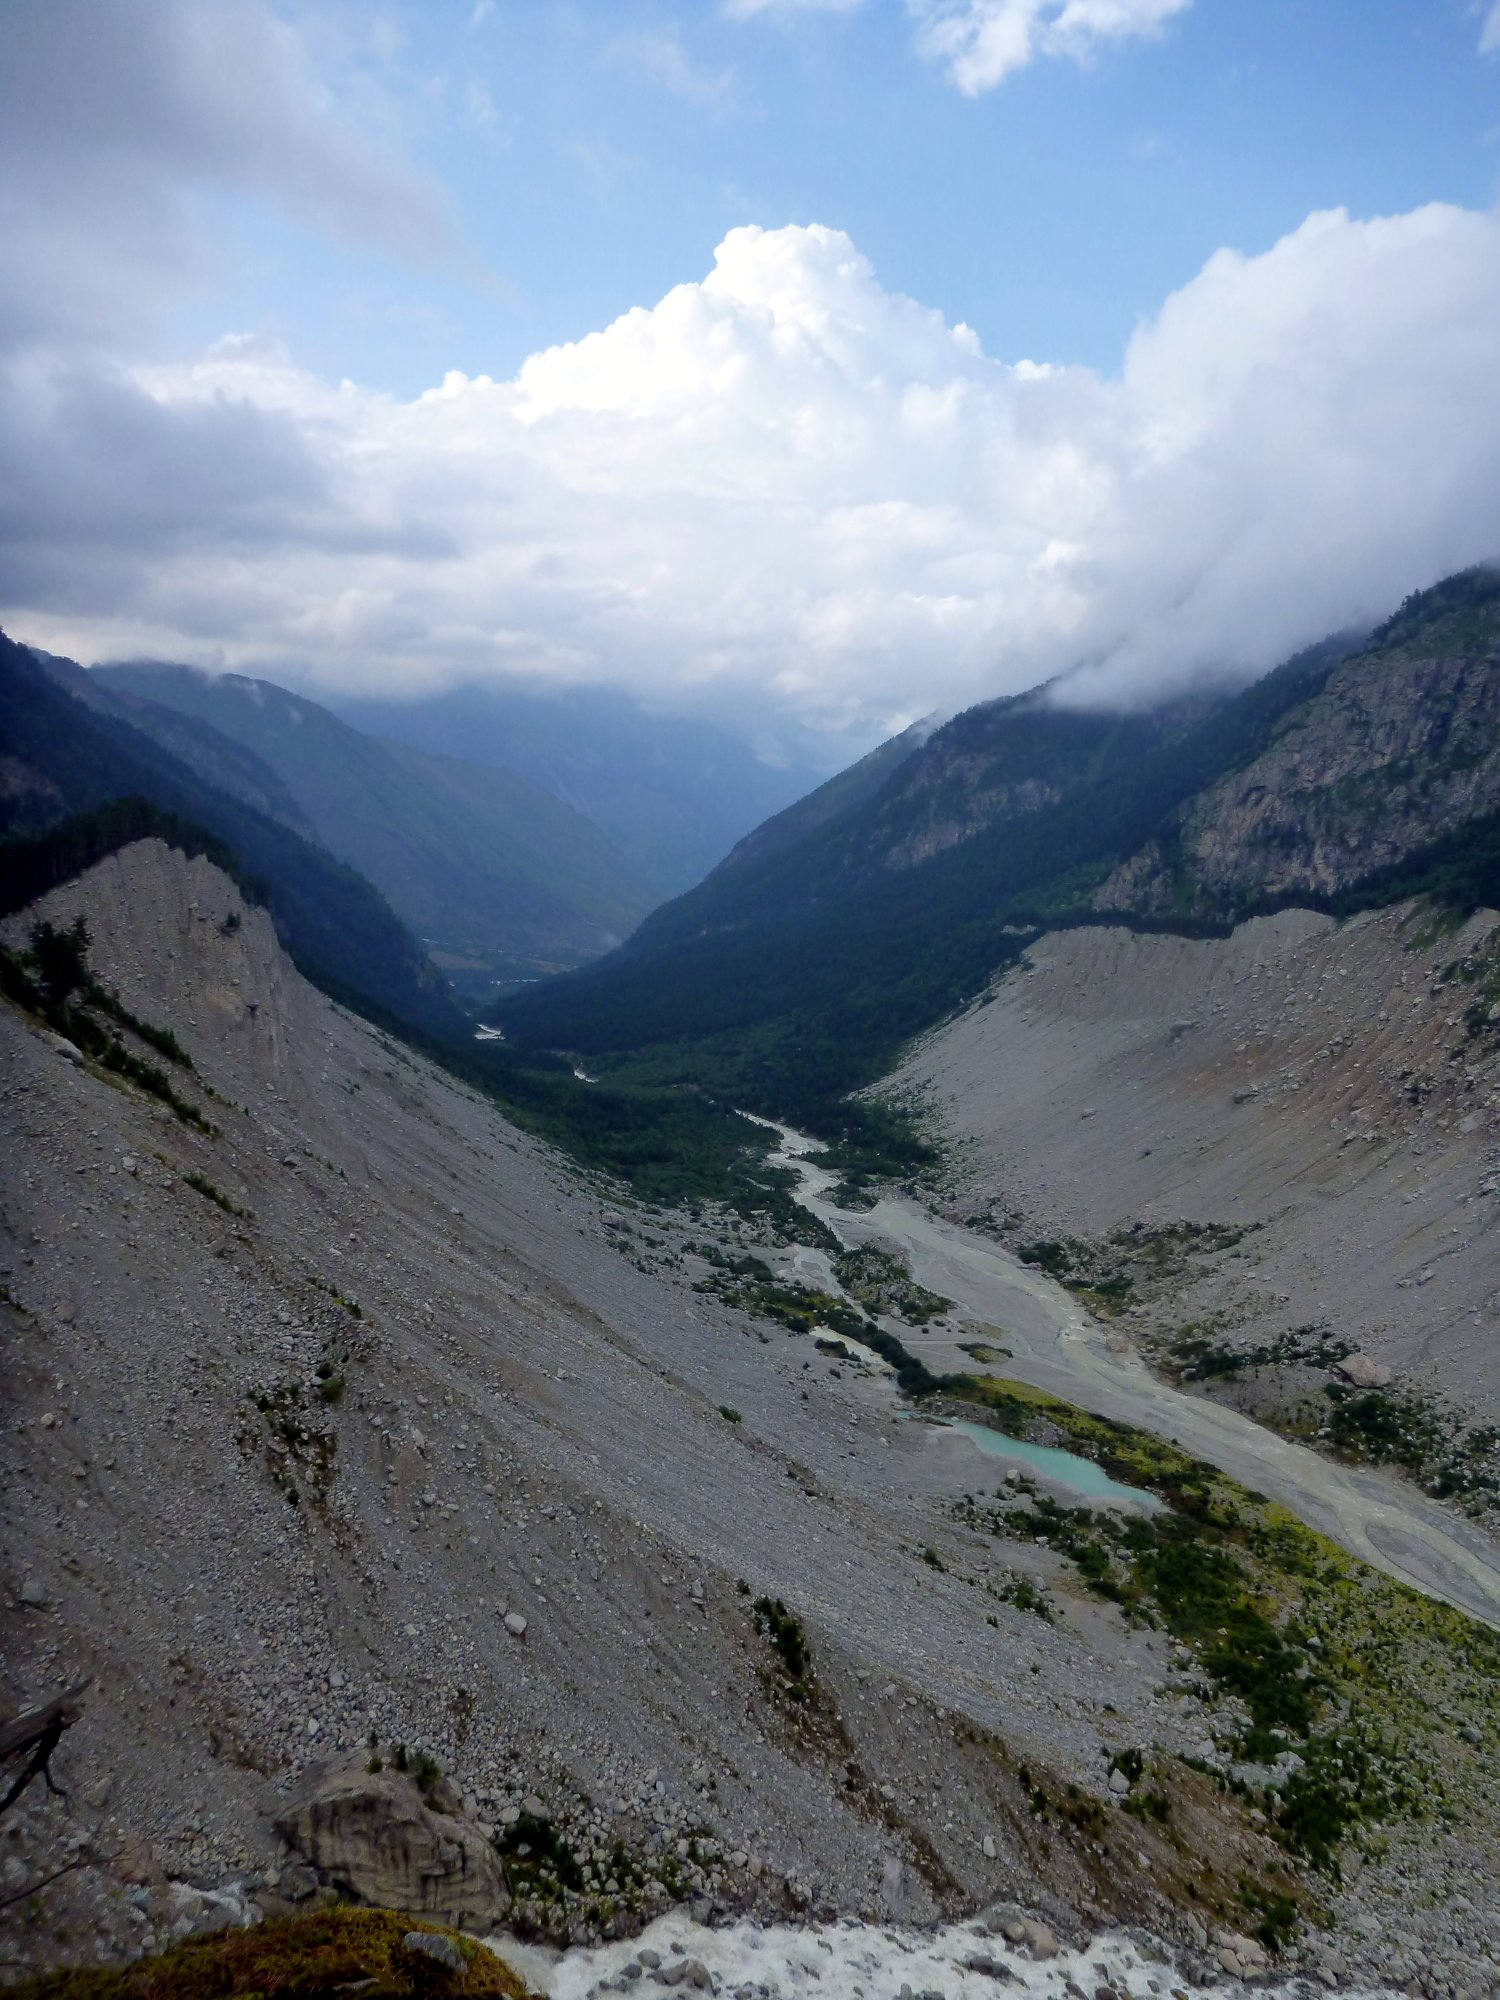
[1055,1346]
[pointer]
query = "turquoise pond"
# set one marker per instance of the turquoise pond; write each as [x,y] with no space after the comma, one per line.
[1064,1468]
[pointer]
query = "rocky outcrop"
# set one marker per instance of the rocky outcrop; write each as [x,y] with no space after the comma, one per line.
[1399,748]
[375,1837]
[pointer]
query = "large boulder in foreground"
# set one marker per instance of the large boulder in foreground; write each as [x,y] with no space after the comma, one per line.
[375,1837]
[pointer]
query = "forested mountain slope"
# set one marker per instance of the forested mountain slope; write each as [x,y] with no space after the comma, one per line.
[800,973]
[796,977]
[673,794]
[61,755]
[500,878]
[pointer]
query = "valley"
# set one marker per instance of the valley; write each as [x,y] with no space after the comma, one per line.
[908,1402]
[419,1438]
[1054,1345]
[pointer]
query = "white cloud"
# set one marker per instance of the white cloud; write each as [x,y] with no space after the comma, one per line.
[1489,34]
[662,60]
[115,114]
[784,489]
[981,42]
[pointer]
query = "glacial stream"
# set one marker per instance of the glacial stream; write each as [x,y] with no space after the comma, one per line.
[857,1961]
[1055,1346]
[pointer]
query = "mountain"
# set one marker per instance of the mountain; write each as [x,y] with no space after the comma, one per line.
[832,801]
[797,974]
[501,879]
[673,795]
[226,765]
[1398,751]
[358,1453]
[65,752]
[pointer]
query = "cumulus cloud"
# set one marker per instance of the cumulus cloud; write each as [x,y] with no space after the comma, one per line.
[785,489]
[115,114]
[981,42]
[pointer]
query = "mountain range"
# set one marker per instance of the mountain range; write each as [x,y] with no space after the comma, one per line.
[1363,769]
[403,1513]
[673,793]
[500,879]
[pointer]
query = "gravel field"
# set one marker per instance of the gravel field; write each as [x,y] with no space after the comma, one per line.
[524,1416]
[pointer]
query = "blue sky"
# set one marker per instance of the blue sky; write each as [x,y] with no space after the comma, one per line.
[815,363]
[594,154]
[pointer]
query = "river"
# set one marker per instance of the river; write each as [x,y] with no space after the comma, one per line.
[858,1961]
[1054,1345]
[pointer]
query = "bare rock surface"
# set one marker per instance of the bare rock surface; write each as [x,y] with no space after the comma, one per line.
[375,1837]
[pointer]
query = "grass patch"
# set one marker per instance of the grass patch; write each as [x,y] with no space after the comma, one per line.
[201,1184]
[328,1952]
[1330,1665]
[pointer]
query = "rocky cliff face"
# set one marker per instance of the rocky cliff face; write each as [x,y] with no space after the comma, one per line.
[1400,747]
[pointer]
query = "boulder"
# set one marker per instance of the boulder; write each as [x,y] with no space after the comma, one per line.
[1364,1371]
[375,1837]
[441,1950]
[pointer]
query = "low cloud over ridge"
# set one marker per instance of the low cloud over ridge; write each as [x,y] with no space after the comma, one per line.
[785,488]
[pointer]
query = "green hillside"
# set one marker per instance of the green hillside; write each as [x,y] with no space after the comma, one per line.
[500,879]
[63,756]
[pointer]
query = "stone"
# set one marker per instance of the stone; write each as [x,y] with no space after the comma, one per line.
[135,1860]
[989,1847]
[1119,1784]
[1249,1951]
[373,1836]
[33,1596]
[515,1624]
[991,1968]
[1043,1941]
[297,1882]
[442,1950]
[1364,1371]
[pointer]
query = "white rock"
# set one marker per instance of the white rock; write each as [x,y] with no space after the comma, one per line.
[1364,1371]
[515,1624]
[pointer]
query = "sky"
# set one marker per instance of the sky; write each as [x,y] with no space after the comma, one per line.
[815,364]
